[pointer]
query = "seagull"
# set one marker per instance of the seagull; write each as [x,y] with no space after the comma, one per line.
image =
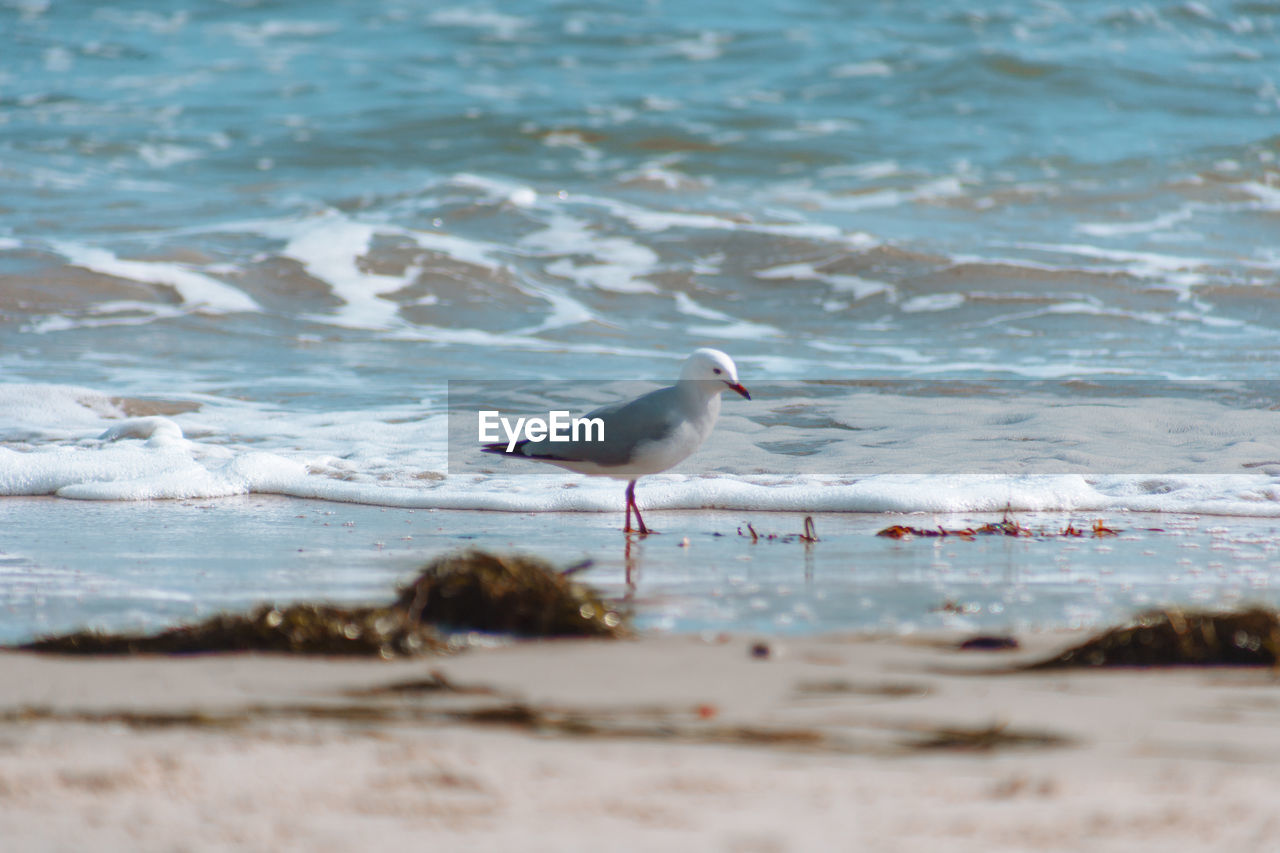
[646,435]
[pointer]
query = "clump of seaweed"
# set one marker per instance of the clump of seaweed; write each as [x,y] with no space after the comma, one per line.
[516,594]
[468,591]
[1176,637]
[1004,527]
[303,629]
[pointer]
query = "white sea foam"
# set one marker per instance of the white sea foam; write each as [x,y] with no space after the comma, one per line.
[932,302]
[742,330]
[856,286]
[564,310]
[857,452]
[502,26]
[114,313]
[163,156]
[52,412]
[328,248]
[871,171]
[930,190]
[157,431]
[197,291]
[872,68]
[1159,223]
[685,305]
[661,175]
[1178,273]
[1266,194]
[731,327]
[622,263]
[261,33]
[1094,309]
[647,219]
[618,278]
[497,189]
[140,472]
[474,252]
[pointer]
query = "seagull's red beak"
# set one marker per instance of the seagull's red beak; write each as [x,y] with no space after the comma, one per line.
[737,387]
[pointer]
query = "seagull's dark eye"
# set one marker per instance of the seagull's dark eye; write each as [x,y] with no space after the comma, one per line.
[717,371]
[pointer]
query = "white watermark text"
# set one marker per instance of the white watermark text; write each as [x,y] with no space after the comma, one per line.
[557,426]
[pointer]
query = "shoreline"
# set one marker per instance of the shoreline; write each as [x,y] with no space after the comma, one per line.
[142,566]
[684,741]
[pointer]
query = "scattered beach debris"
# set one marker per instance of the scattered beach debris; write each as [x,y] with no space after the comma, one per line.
[1175,637]
[985,739]
[1005,527]
[695,725]
[516,594]
[700,724]
[958,608]
[436,682]
[298,629]
[133,719]
[988,643]
[468,591]
[808,535]
[581,566]
[844,687]
[701,729]
[1021,786]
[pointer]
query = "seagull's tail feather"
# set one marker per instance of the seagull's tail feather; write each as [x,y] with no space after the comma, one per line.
[525,448]
[500,447]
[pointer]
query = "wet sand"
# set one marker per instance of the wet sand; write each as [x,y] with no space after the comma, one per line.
[735,743]
[142,565]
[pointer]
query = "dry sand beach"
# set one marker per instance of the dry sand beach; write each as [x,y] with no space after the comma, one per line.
[679,743]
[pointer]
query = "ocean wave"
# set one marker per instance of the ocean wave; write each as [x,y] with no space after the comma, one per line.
[817,447]
[131,469]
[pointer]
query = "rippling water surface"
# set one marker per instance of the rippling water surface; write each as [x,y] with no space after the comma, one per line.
[923,188]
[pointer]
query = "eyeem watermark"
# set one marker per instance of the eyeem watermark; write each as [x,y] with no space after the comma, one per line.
[559,425]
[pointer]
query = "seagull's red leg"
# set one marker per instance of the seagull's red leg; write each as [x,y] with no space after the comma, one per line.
[631,504]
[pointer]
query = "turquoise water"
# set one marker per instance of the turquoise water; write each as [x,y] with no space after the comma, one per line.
[835,189]
[225,111]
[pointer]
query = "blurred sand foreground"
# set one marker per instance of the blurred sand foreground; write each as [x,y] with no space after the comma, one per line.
[662,743]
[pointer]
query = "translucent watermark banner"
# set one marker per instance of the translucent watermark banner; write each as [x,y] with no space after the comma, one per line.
[855,428]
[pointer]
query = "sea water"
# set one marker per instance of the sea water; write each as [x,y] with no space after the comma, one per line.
[245,248]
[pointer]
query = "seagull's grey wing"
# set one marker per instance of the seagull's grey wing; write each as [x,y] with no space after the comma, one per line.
[650,417]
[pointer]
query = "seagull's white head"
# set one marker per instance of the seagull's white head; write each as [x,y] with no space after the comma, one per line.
[712,366]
